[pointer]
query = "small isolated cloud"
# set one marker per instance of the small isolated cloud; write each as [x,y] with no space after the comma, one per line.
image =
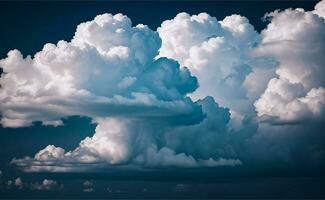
[46,184]
[181,188]
[9,184]
[18,183]
[88,186]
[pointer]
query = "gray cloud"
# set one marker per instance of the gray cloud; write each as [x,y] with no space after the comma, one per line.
[131,143]
[46,184]
[19,183]
[88,186]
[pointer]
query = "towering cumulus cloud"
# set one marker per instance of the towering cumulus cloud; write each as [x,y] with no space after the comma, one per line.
[293,104]
[296,38]
[197,92]
[107,72]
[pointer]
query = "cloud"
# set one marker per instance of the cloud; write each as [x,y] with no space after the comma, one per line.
[167,157]
[212,132]
[181,188]
[284,102]
[320,9]
[46,184]
[295,146]
[296,39]
[18,183]
[127,142]
[88,186]
[108,69]
[218,53]
[292,104]
[9,183]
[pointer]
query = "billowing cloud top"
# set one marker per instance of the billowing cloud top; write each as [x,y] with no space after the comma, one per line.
[197,92]
[296,39]
[217,52]
[107,69]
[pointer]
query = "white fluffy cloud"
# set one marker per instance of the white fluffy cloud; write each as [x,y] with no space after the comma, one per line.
[320,9]
[107,69]
[296,38]
[218,53]
[285,102]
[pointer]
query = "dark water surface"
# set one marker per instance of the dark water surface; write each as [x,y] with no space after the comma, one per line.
[222,188]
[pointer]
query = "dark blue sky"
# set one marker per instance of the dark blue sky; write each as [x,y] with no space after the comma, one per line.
[27,26]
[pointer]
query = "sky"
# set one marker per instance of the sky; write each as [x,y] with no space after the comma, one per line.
[161,99]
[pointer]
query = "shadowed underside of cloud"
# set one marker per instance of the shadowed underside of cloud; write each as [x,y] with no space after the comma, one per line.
[136,144]
[152,93]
